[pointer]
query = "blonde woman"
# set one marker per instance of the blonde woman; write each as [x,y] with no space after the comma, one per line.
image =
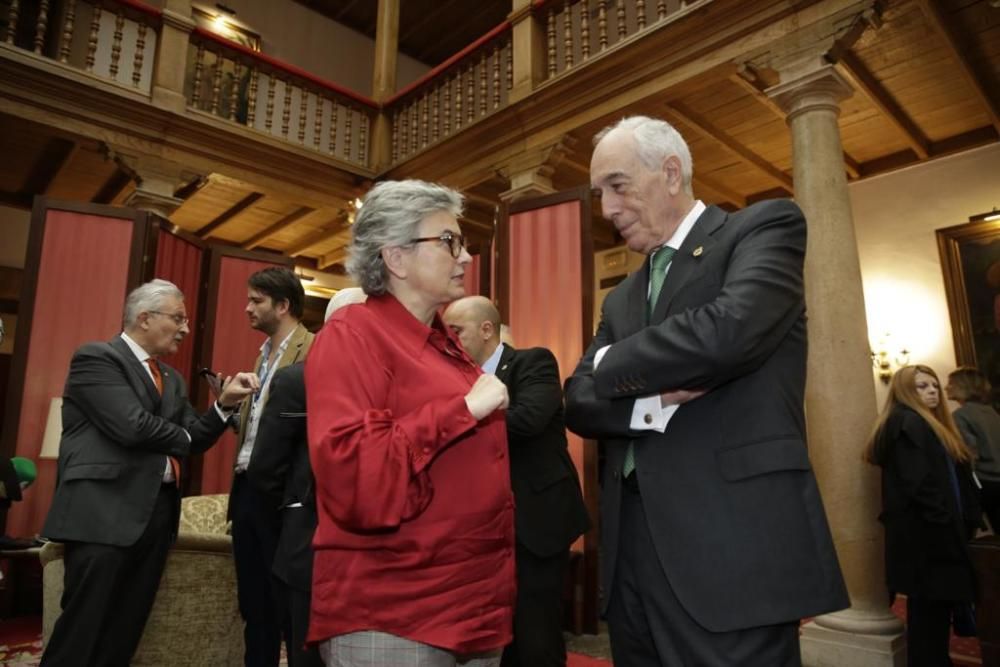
[930,511]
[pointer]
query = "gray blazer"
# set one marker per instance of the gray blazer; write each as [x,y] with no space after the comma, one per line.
[117,430]
[729,493]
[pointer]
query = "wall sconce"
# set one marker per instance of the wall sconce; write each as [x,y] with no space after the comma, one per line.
[886,360]
[985,217]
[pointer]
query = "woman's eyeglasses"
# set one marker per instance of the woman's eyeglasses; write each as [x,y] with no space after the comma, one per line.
[456,242]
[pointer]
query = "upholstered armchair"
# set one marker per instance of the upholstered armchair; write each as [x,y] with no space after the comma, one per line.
[195,620]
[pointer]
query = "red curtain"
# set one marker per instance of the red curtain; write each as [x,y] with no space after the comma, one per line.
[180,262]
[82,281]
[472,276]
[546,288]
[234,347]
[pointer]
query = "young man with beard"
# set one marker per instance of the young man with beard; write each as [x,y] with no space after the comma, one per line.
[275,300]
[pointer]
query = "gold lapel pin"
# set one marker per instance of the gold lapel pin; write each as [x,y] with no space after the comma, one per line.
[697,251]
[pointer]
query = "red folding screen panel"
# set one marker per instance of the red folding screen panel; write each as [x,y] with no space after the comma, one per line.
[179,259]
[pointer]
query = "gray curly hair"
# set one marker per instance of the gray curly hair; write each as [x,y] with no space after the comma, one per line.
[389,216]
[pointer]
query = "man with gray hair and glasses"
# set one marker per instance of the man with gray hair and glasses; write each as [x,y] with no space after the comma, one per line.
[127,424]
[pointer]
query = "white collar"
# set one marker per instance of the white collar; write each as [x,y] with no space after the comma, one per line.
[137,349]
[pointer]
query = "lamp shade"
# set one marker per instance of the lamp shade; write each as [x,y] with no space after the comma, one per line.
[53,430]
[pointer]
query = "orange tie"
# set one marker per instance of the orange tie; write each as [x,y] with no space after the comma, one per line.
[154,368]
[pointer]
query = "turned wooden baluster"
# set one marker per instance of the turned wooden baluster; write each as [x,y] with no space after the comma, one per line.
[585,30]
[217,83]
[602,25]
[661,9]
[396,134]
[318,124]
[12,22]
[67,33]
[510,65]
[333,127]
[458,100]
[470,94]
[640,13]
[363,140]
[622,27]
[234,90]
[286,107]
[252,96]
[446,110]
[483,65]
[550,33]
[199,66]
[414,126]
[404,131]
[348,119]
[435,116]
[140,54]
[568,34]
[269,107]
[116,44]
[424,120]
[42,25]
[303,109]
[496,76]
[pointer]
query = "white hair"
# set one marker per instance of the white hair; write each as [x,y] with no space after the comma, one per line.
[655,141]
[344,297]
[148,297]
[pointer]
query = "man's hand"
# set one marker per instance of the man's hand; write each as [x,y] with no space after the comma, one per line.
[236,388]
[487,394]
[680,396]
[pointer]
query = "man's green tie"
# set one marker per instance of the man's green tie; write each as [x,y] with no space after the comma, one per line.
[657,272]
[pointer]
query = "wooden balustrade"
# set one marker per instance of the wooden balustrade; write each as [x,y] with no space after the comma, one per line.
[457,93]
[235,83]
[108,38]
[578,30]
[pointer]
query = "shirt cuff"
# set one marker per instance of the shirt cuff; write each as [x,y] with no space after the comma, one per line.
[649,414]
[222,413]
[600,355]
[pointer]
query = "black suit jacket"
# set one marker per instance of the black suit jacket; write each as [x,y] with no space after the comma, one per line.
[279,467]
[729,494]
[926,527]
[550,512]
[117,432]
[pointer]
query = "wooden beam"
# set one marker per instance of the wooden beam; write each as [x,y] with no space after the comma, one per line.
[229,214]
[722,192]
[946,29]
[325,232]
[705,128]
[333,257]
[850,164]
[277,227]
[191,187]
[865,82]
[54,158]
[116,183]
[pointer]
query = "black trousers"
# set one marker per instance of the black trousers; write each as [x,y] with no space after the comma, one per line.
[650,628]
[989,498]
[255,539]
[295,607]
[928,630]
[108,593]
[538,612]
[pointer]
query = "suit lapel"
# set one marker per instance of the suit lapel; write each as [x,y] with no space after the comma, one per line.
[635,303]
[504,367]
[293,352]
[696,247]
[138,376]
[169,390]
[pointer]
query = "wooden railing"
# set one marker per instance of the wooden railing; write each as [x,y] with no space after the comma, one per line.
[577,30]
[467,87]
[114,39]
[243,86]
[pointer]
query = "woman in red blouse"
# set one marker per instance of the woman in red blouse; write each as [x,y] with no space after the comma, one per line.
[414,549]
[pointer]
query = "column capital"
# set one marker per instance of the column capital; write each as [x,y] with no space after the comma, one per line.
[819,88]
[156,179]
[530,172]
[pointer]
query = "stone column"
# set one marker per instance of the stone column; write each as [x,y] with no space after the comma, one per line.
[156,180]
[528,50]
[530,172]
[171,56]
[840,394]
[384,80]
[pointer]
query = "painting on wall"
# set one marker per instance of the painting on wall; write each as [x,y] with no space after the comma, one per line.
[970,260]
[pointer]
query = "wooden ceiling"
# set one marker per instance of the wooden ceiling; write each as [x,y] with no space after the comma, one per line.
[926,79]
[430,31]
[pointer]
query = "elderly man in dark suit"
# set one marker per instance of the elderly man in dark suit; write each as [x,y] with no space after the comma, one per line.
[549,510]
[715,542]
[127,424]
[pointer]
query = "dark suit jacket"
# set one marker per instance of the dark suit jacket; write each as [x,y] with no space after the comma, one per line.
[729,494]
[117,430]
[926,528]
[279,467]
[549,512]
